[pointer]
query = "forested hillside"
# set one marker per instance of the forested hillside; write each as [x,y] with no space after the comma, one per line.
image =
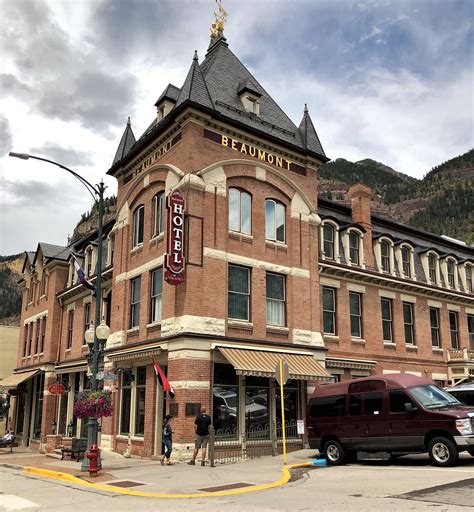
[10,291]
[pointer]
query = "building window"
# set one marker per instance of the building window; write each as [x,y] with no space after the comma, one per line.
[329,311]
[30,337]
[126,402]
[43,334]
[70,324]
[43,283]
[156,294]
[453,328]
[240,211]
[87,317]
[387,320]
[38,335]
[38,385]
[138,222]
[89,262]
[111,249]
[135,286]
[470,330]
[468,278]
[225,408]
[385,256]
[450,270]
[158,224]
[275,299]
[355,311]
[328,241]
[274,221]
[140,383]
[409,323]
[432,263]
[434,321]
[406,265]
[239,293]
[25,339]
[354,248]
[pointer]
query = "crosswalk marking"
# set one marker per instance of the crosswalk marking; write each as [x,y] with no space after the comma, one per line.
[11,502]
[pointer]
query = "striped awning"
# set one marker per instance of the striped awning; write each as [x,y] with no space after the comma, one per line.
[260,363]
[139,352]
[12,381]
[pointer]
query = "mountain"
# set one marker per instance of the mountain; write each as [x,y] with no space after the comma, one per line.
[10,290]
[442,202]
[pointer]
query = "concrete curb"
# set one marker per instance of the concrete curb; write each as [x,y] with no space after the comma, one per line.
[66,477]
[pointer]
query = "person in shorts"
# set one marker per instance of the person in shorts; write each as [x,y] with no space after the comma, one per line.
[203,422]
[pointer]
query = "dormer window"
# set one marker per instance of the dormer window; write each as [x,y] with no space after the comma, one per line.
[406,261]
[354,248]
[328,241]
[406,264]
[468,271]
[385,256]
[432,263]
[450,271]
[250,97]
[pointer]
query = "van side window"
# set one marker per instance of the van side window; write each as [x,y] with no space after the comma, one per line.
[373,403]
[397,401]
[355,405]
[327,406]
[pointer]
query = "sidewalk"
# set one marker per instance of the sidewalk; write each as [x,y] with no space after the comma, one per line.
[150,477]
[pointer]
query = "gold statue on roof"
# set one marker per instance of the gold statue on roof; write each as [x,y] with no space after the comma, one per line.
[221,18]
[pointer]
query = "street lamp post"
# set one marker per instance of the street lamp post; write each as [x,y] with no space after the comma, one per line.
[97,192]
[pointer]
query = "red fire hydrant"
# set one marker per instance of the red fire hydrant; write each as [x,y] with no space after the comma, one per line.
[93,456]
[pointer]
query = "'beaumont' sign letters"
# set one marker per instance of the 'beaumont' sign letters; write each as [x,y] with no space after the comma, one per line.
[174,259]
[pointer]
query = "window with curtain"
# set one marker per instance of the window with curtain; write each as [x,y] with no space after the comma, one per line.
[138,224]
[355,307]
[158,209]
[385,255]
[432,268]
[328,241]
[387,319]
[238,293]
[135,285]
[275,285]
[406,264]
[409,323]
[240,211]
[274,221]
[434,323]
[156,294]
[454,329]
[354,248]
[140,387]
[329,311]
[70,325]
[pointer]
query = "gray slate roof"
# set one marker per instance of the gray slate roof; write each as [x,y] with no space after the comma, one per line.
[126,143]
[194,88]
[171,93]
[309,135]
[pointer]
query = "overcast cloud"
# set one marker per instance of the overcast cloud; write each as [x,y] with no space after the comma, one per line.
[389,80]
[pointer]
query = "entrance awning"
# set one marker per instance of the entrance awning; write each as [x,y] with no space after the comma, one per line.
[17,378]
[260,363]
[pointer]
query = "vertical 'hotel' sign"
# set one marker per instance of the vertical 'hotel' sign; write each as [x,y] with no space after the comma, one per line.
[174,259]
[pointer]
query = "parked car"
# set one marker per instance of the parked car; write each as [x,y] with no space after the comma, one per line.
[463,392]
[389,414]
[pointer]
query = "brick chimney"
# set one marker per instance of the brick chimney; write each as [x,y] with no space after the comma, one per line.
[361,196]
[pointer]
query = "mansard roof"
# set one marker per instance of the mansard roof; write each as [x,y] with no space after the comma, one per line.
[126,143]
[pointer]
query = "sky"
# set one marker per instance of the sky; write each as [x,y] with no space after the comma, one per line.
[388,80]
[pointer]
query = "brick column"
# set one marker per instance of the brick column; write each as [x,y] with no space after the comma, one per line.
[361,196]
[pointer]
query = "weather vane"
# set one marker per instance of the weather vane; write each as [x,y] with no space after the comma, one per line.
[221,18]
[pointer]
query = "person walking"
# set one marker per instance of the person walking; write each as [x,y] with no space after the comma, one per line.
[167,440]
[203,422]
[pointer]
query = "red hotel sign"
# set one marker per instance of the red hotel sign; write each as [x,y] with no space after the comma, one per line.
[56,389]
[174,258]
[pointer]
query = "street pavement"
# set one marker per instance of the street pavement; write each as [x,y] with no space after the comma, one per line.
[408,483]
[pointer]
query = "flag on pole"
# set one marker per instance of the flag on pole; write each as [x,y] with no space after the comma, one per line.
[82,276]
[164,382]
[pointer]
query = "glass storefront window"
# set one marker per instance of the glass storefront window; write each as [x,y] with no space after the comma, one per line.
[63,405]
[257,408]
[126,402]
[225,400]
[290,396]
[140,401]
[39,390]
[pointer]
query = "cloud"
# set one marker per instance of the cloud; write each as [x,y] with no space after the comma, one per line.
[66,156]
[5,135]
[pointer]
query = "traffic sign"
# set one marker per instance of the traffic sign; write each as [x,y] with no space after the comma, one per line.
[285,373]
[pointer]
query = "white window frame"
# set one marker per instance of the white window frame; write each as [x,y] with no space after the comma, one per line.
[411,324]
[273,237]
[240,192]
[346,245]
[454,333]
[335,226]
[378,255]
[436,327]
[359,315]
[444,267]
[468,285]
[281,302]
[389,320]
[136,227]
[333,312]
[157,297]
[158,214]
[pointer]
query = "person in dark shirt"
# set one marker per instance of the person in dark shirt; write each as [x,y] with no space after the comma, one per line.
[203,422]
[167,440]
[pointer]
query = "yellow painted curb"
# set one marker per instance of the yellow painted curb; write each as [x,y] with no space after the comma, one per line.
[66,477]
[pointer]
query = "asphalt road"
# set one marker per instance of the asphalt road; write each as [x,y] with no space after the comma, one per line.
[407,484]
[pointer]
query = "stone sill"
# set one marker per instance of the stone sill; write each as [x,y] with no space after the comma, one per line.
[358,340]
[437,350]
[136,250]
[235,324]
[244,237]
[155,240]
[389,344]
[411,347]
[334,339]
[276,245]
[124,437]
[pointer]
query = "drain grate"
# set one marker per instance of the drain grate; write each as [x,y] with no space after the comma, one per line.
[125,483]
[226,487]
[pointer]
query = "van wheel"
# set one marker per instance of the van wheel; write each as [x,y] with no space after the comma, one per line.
[334,453]
[442,452]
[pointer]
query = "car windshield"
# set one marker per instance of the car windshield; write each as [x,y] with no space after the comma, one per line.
[432,397]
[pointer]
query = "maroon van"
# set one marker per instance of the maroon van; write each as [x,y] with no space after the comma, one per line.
[384,415]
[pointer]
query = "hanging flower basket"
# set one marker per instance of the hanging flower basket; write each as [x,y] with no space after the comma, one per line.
[93,404]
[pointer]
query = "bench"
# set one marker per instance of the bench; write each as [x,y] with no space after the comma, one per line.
[77,451]
[4,443]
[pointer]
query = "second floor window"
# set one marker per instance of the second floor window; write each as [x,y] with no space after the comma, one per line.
[156,294]
[470,330]
[138,223]
[274,221]
[25,339]
[87,317]
[328,241]
[240,211]
[70,325]
[406,265]
[158,206]
[329,311]
[385,255]
[451,268]
[275,299]
[434,324]
[409,323]
[354,248]
[238,293]
[43,334]
[453,328]
[432,268]
[43,283]
[355,310]
[135,286]
[38,336]
[387,320]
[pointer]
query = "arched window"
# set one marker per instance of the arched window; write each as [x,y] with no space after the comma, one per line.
[432,264]
[468,270]
[385,256]
[138,222]
[158,209]
[450,269]
[274,221]
[406,261]
[240,211]
[354,248]
[328,240]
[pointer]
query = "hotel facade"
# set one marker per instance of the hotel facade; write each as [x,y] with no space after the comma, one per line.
[263,270]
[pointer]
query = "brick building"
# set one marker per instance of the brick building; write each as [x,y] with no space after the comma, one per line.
[270,272]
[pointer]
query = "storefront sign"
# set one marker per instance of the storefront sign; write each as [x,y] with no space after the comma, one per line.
[56,389]
[174,258]
[107,376]
[246,149]
[300,427]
